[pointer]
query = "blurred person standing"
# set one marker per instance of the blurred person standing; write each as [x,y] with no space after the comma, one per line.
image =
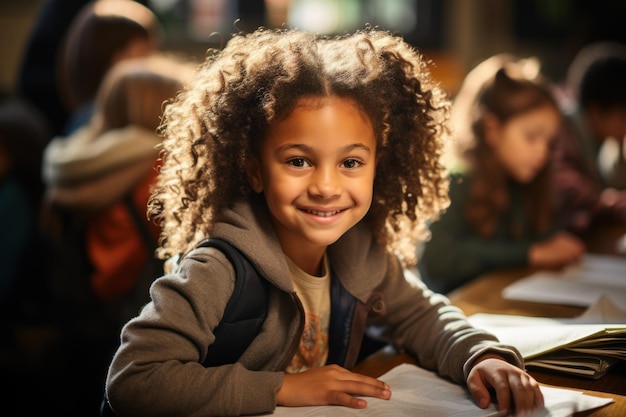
[24,300]
[590,157]
[502,210]
[100,178]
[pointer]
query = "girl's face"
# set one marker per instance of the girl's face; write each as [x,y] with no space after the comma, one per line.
[316,170]
[523,143]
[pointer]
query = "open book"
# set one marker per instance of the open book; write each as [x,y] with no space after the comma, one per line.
[418,392]
[586,346]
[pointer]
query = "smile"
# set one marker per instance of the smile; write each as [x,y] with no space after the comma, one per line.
[323,213]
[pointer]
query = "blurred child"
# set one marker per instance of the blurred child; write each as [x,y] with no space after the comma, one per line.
[103,33]
[502,209]
[114,156]
[100,178]
[319,160]
[590,156]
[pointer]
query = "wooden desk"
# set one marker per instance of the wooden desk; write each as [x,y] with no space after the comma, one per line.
[484,295]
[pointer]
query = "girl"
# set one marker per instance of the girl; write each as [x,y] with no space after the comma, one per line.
[501,212]
[92,171]
[590,153]
[318,158]
[103,33]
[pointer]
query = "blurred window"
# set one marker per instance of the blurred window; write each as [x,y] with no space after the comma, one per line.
[419,21]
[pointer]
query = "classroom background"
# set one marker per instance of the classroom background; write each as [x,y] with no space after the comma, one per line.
[455,34]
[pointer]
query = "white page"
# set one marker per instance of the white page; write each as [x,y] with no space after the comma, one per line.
[546,288]
[602,311]
[551,333]
[606,265]
[416,391]
[561,402]
[579,285]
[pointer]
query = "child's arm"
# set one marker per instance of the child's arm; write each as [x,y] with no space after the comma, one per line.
[456,253]
[558,250]
[512,388]
[330,385]
[158,368]
[439,336]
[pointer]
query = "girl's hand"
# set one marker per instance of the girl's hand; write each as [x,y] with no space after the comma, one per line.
[330,385]
[512,387]
[560,250]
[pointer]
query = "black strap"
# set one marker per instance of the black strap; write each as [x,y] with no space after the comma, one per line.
[245,312]
[243,317]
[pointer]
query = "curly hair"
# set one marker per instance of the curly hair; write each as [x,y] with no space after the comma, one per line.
[215,125]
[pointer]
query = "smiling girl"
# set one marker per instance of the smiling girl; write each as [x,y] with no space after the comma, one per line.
[319,160]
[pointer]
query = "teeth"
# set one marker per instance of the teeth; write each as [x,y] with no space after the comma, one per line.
[323,213]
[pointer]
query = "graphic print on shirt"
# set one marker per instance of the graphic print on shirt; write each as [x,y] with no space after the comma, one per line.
[313,349]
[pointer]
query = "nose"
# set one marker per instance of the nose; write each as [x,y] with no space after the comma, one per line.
[325,182]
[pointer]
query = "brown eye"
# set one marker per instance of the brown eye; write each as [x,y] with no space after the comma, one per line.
[352,163]
[298,162]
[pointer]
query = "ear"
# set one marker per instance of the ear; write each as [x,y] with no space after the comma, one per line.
[491,126]
[253,171]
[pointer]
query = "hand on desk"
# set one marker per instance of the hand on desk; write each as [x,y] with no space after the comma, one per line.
[512,386]
[559,250]
[330,385]
[615,200]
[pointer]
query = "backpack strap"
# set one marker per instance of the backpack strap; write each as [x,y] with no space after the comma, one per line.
[245,312]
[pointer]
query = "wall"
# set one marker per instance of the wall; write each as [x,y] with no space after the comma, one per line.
[16,20]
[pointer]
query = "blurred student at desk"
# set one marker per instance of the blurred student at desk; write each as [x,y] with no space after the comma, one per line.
[485,295]
[590,157]
[502,212]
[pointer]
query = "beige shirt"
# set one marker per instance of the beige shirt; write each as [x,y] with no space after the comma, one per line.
[314,292]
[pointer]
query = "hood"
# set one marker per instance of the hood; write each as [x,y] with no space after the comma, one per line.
[356,258]
[83,156]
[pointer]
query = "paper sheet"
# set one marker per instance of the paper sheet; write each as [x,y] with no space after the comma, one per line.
[418,392]
[579,285]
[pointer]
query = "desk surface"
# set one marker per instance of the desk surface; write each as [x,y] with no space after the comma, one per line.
[484,295]
[384,360]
